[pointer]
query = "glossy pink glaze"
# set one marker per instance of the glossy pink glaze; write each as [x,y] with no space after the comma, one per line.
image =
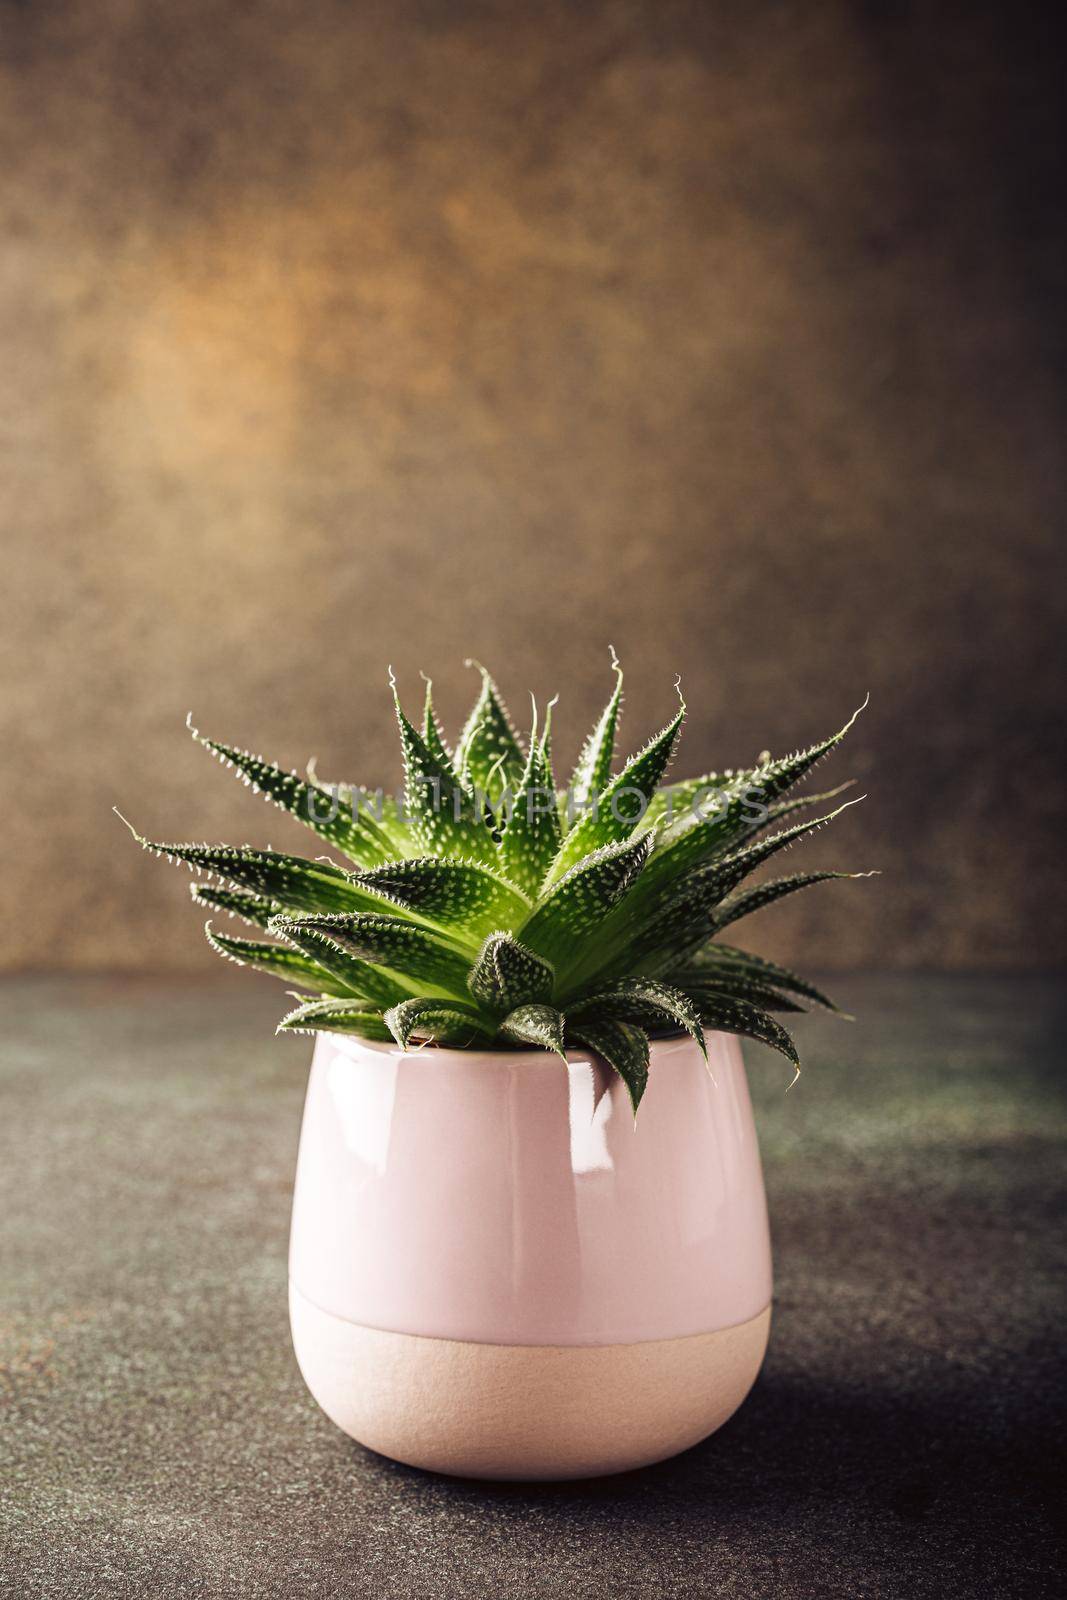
[508,1199]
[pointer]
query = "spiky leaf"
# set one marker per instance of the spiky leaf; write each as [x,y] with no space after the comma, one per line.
[593,772]
[336,1016]
[444,1022]
[254,908]
[686,920]
[717,961]
[280,960]
[294,882]
[457,894]
[432,736]
[776,778]
[624,1047]
[710,883]
[707,831]
[489,756]
[508,974]
[373,984]
[747,901]
[384,811]
[617,812]
[804,802]
[694,840]
[421,957]
[531,832]
[771,778]
[546,744]
[581,900]
[541,1026]
[443,814]
[327,813]
[644,1001]
[737,1016]
[736,986]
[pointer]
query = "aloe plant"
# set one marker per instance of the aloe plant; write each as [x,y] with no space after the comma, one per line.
[487,907]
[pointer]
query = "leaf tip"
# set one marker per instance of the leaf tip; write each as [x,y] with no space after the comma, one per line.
[139,837]
[864,703]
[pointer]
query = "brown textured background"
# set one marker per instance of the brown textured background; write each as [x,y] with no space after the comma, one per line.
[335,335]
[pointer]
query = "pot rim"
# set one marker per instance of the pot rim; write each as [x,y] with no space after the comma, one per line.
[352,1045]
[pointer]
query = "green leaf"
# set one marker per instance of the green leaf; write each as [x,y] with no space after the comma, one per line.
[737,1016]
[645,1001]
[257,909]
[690,843]
[764,894]
[452,893]
[803,802]
[445,1022]
[432,736]
[293,881]
[546,744]
[489,756]
[733,868]
[775,778]
[328,814]
[673,801]
[336,1016]
[581,900]
[621,806]
[416,955]
[593,772]
[440,810]
[623,1046]
[371,983]
[771,778]
[531,834]
[685,922]
[383,811]
[507,974]
[717,961]
[737,987]
[541,1026]
[279,960]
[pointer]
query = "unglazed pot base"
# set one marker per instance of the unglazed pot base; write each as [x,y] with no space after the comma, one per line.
[524,1411]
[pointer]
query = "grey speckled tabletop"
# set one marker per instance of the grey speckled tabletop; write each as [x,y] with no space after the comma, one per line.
[157,1439]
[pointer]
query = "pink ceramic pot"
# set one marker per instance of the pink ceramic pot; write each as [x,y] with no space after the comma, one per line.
[493,1272]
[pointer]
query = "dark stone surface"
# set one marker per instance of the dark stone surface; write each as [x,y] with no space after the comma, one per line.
[157,1439]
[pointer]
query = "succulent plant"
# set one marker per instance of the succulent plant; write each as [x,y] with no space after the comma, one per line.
[485,907]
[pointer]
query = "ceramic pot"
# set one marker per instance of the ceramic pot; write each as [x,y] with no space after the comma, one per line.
[495,1273]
